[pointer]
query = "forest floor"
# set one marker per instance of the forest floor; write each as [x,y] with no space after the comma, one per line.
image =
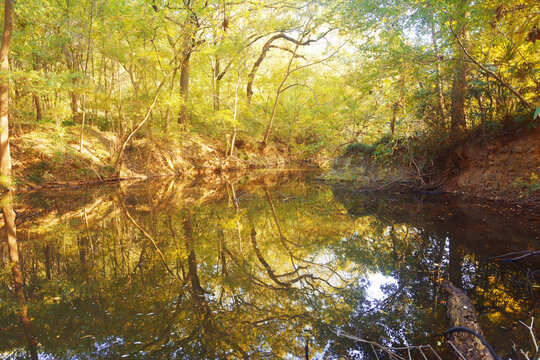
[45,156]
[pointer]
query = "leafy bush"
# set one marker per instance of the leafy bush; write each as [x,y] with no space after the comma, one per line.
[530,185]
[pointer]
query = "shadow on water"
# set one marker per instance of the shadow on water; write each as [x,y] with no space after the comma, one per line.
[258,267]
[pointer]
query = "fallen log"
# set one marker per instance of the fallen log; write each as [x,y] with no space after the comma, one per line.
[466,338]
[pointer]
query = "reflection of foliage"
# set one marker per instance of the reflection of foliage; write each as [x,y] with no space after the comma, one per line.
[305,273]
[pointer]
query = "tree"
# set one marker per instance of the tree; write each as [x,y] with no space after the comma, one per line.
[5,155]
[461,69]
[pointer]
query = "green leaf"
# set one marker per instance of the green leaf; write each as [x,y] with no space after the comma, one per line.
[536,113]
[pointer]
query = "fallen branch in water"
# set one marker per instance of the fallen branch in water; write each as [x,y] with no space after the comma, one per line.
[519,255]
[464,319]
[389,350]
[533,337]
[480,337]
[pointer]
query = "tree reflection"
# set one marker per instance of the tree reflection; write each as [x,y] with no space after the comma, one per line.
[249,271]
[18,284]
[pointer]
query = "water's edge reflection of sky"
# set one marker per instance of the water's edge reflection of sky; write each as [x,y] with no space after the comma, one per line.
[258,267]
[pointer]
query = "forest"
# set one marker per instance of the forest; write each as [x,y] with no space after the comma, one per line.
[311,76]
[270,179]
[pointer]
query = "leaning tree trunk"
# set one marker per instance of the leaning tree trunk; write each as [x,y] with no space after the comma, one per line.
[5,156]
[266,47]
[257,64]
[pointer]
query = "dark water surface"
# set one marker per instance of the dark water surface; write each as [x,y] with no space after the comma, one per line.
[258,267]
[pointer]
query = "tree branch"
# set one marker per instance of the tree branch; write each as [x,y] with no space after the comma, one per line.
[491,73]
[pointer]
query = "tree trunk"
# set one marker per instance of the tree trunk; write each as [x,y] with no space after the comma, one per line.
[461,70]
[11,233]
[395,109]
[266,47]
[256,65]
[216,84]
[37,100]
[184,89]
[440,92]
[5,156]
[81,143]
[47,251]
[235,130]
[276,100]
[72,66]
[191,28]
[75,104]
[168,112]
[461,313]
[397,105]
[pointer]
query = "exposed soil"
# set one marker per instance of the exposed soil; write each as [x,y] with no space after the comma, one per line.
[44,156]
[365,170]
[505,167]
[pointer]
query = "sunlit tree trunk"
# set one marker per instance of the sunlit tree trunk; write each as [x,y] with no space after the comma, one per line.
[184,89]
[5,156]
[279,91]
[47,251]
[216,83]
[72,66]
[397,105]
[39,111]
[191,29]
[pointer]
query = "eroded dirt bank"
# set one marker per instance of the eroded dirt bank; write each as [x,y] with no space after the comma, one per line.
[44,156]
[505,167]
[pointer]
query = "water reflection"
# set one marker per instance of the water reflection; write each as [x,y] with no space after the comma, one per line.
[257,268]
[17,275]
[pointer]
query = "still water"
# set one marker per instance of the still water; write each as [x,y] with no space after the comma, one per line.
[259,267]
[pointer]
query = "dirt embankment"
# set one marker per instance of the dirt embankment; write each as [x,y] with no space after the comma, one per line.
[366,170]
[505,167]
[46,156]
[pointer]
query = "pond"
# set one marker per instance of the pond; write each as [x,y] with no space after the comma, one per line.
[272,266]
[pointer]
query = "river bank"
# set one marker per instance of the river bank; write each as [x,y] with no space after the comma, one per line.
[504,167]
[45,156]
